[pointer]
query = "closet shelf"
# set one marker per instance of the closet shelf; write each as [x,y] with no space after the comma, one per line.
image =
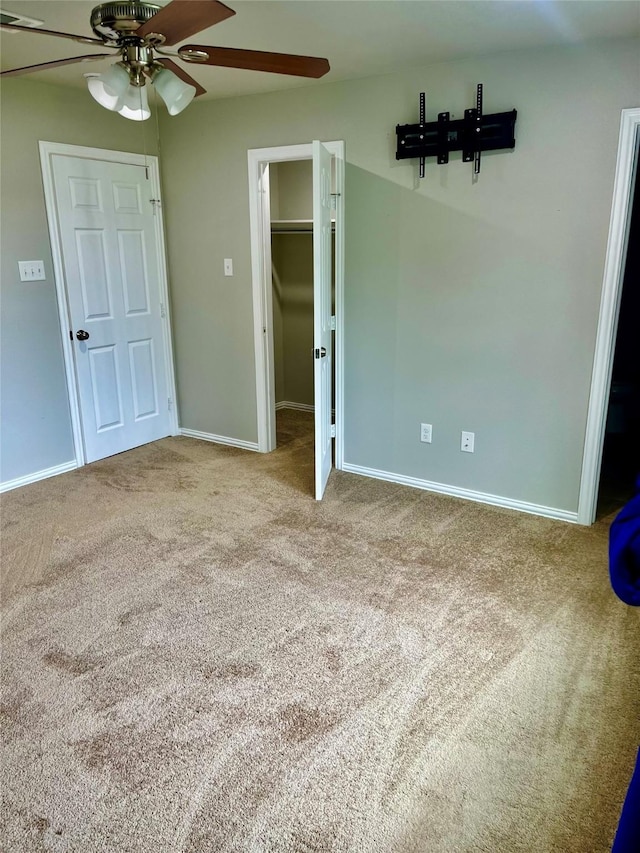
[294,226]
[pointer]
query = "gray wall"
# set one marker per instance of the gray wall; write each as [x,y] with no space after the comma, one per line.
[470,305]
[36,428]
[295,189]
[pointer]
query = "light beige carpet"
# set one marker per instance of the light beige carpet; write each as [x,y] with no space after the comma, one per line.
[199,657]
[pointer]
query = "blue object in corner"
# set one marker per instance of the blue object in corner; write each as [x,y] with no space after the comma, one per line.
[624,571]
[624,552]
[627,838]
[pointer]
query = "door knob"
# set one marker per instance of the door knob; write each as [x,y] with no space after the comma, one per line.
[81,335]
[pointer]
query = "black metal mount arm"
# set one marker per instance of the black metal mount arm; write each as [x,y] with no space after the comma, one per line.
[472,134]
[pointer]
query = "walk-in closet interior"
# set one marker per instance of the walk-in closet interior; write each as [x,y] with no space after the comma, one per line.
[291,196]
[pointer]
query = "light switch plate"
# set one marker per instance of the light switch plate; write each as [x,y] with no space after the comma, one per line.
[228,266]
[31,270]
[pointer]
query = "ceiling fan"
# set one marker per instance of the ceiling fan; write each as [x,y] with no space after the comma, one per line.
[140,32]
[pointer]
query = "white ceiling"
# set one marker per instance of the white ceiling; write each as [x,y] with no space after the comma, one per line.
[359,37]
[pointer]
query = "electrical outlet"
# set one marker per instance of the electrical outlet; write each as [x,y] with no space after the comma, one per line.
[467,441]
[425,433]
[31,270]
[228,266]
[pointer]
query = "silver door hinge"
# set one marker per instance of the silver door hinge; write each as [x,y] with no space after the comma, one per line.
[146,171]
[163,313]
[333,430]
[333,322]
[169,403]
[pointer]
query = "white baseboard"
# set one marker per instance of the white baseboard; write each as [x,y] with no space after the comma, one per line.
[219,439]
[38,475]
[467,494]
[300,407]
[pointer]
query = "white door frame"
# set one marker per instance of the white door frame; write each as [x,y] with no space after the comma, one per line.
[609,310]
[260,220]
[47,150]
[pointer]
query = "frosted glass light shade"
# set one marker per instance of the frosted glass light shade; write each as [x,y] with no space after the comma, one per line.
[135,104]
[108,88]
[176,94]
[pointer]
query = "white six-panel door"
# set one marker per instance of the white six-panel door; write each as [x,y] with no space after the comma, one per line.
[108,243]
[323,369]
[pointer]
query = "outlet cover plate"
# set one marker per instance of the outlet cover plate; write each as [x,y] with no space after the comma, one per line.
[425,433]
[467,442]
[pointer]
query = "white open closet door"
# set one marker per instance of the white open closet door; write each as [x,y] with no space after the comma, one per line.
[322,367]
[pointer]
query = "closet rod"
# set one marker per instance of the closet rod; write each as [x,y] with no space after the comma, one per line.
[294,226]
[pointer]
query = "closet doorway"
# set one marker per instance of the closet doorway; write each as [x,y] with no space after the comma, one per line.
[297,238]
[291,200]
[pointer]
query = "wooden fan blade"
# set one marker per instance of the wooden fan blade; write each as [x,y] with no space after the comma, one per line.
[15,72]
[257,60]
[182,74]
[183,18]
[40,31]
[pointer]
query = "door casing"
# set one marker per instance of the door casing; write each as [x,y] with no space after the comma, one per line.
[260,223]
[47,150]
[609,311]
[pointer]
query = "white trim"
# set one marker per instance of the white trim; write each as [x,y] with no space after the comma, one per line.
[466,494]
[38,475]
[219,439]
[154,176]
[262,313]
[260,236]
[300,407]
[47,150]
[609,310]
[338,151]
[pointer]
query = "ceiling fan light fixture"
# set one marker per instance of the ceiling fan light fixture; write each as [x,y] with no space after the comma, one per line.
[109,88]
[176,94]
[135,104]
[135,29]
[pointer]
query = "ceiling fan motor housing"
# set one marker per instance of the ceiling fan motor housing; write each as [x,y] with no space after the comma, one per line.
[115,21]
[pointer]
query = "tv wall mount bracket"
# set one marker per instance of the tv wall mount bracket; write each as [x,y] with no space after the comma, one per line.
[472,135]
